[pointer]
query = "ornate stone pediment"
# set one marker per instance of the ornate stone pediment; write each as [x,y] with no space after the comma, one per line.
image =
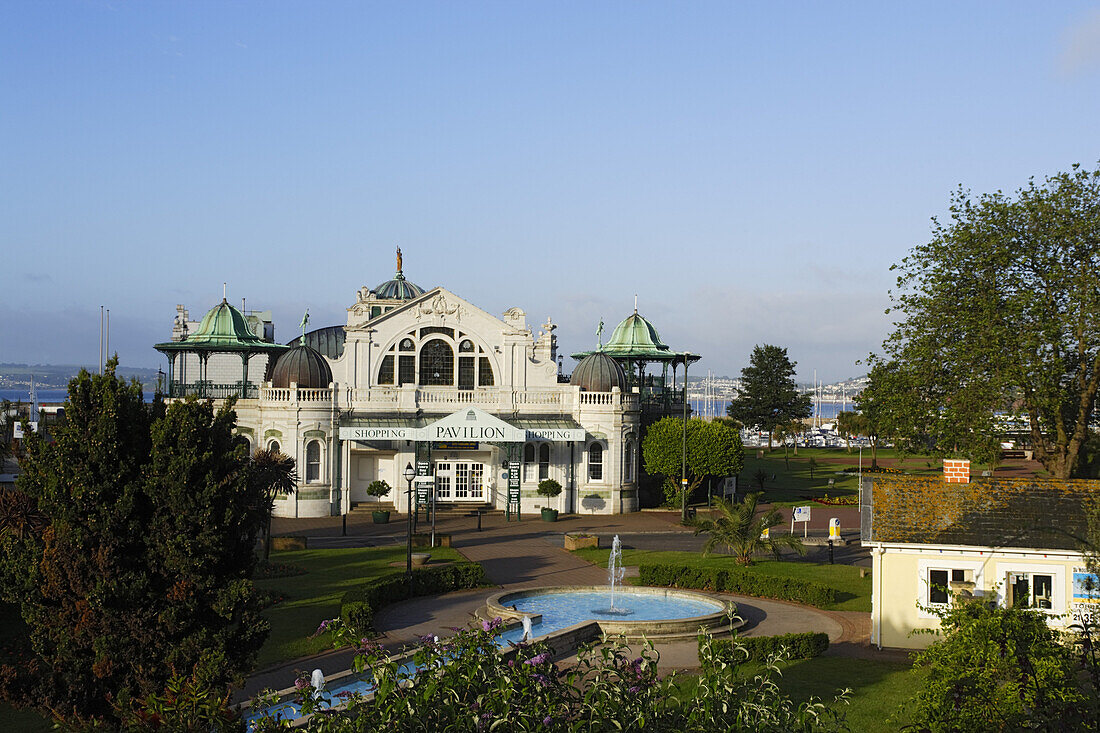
[439,307]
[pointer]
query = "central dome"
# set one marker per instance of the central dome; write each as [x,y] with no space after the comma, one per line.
[398,289]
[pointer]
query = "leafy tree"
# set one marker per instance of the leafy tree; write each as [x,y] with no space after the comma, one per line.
[141,567]
[273,474]
[812,463]
[713,450]
[1001,669]
[882,405]
[1000,311]
[738,528]
[769,397]
[846,425]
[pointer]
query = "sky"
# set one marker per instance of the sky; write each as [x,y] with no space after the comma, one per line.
[750,170]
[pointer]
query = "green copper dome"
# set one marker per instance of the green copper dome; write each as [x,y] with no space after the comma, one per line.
[635,336]
[224,324]
[398,289]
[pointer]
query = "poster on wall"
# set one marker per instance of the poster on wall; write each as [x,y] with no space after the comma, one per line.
[1086,596]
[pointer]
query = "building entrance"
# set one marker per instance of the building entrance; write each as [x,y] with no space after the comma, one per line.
[460,481]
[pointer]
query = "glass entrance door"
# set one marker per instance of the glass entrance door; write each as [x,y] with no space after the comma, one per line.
[460,481]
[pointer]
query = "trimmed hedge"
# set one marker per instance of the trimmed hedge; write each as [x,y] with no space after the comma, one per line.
[358,606]
[738,582]
[806,645]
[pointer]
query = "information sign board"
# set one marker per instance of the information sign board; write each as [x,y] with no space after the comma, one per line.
[802,514]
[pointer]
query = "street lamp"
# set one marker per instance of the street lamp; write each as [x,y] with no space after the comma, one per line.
[410,472]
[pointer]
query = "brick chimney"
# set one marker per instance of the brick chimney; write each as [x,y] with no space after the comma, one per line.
[956,471]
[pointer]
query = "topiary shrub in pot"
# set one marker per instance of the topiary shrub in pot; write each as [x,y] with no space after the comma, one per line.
[378,487]
[549,488]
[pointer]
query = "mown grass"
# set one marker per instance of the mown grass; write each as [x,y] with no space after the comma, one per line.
[879,689]
[853,592]
[315,596]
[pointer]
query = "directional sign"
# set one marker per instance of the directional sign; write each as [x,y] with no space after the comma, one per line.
[802,514]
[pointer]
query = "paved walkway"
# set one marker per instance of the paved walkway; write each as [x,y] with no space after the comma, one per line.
[526,554]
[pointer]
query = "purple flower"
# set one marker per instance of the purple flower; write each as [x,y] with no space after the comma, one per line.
[539,659]
[425,638]
[547,720]
[324,626]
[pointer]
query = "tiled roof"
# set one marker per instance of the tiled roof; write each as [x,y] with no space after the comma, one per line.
[1020,513]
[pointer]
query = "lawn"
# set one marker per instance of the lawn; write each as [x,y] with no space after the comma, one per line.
[793,484]
[854,592]
[315,596]
[879,689]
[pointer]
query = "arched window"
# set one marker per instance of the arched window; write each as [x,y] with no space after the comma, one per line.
[529,462]
[437,363]
[274,447]
[628,462]
[544,461]
[313,461]
[595,462]
[246,442]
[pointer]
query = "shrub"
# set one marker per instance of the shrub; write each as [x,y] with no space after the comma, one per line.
[806,645]
[548,487]
[737,581]
[378,487]
[358,606]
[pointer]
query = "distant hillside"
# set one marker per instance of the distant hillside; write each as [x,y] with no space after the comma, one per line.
[57,376]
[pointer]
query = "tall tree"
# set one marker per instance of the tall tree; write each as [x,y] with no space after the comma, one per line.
[740,529]
[1001,309]
[885,404]
[769,397]
[143,559]
[714,450]
[272,474]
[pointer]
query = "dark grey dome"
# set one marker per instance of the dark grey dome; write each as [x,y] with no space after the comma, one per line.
[303,366]
[598,372]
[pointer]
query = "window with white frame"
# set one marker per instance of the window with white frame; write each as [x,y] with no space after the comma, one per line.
[1030,590]
[544,461]
[313,461]
[938,583]
[628,462]
[529,462]
[595,462]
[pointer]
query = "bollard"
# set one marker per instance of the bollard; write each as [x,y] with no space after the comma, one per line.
[830,552]
[344,525]
[478,520]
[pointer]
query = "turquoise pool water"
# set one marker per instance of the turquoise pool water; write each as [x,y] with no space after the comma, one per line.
[559,610]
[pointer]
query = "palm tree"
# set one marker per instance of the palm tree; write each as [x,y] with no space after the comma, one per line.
[273,472]
[738,527]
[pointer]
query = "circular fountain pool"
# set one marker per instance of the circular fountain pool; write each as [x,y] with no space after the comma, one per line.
[632,612]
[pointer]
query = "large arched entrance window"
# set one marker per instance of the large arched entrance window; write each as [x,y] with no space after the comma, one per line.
[437,363]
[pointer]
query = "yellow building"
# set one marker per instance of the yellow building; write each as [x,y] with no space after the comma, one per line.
[1008,541]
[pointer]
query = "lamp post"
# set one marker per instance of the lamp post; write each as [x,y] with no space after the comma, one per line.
[410,472]
[684,465]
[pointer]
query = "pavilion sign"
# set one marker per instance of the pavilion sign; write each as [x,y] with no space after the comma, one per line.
[468,424]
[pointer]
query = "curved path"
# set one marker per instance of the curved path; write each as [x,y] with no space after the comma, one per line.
[529,554]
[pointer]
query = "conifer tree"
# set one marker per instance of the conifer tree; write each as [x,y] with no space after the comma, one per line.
[141,566]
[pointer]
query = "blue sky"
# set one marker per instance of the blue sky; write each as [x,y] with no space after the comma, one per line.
[750,170]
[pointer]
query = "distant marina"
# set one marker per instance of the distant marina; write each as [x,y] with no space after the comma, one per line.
[704,407]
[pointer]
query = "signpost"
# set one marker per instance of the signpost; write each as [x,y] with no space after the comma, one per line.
[513,489]
[801,514]
[424,485]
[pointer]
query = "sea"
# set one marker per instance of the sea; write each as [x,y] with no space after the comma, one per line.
[45,396]
[717,408]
